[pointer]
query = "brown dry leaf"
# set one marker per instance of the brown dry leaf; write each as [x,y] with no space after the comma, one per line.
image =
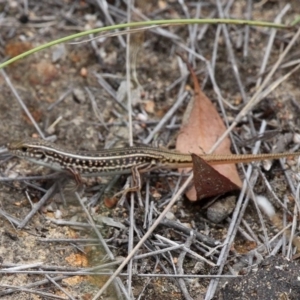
[208,181]
[200,130]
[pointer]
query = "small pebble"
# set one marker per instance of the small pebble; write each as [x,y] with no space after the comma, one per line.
[220,210]
[170,216]
[79,95]
[58,214]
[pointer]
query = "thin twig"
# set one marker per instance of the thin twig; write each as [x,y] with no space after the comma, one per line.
[38,205]
[180,270]
[24,107]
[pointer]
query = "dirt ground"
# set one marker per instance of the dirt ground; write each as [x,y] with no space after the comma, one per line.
[75,93]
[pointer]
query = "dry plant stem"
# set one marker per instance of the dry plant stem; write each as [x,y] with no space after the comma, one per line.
[283,223]
[92,223]
[109,90]
[247,28]
[104,7]
[21,289]
[288,178]
[153,253]
[253,197]
[118,13]
[204,28]
[293,230]
[253,236]
[211,75]
[77,273]
[142,291]
[169,257]
[150,217]
[193,34]
[102,242]
[277,247]
[231,54]
[109,35]
[162,266]
[130,244]
[120,288]
[11,267]
[36,187]
[26,11]
[93,271]
[31,285]
[177,226]
[264,229]
[215,49]
[297,195]
[180,270]
[145,237]
[273,32]
[157,30]
[128,78]
[182,87]
[47,240]
[60,99]
[22,267]
[187,276]
[72,223]
[193,253]
[256,97]
[146,211]
[38,205]
[24,107]
[59,287]
[95,108]
[287,65]
[105,268]
[274,195]
[176,82]
[13,221]
[192,37]
[236,219]
[277,82]
[166,117]
[228,7]
[275,237]
[235,71]
[234,68]
[23,178]
[244,233]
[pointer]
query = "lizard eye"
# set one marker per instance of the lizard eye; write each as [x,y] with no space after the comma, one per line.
[23,149]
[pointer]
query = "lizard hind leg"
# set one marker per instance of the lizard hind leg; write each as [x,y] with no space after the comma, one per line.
[136,184]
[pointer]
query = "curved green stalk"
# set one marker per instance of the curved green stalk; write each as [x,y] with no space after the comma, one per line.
[145,23]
